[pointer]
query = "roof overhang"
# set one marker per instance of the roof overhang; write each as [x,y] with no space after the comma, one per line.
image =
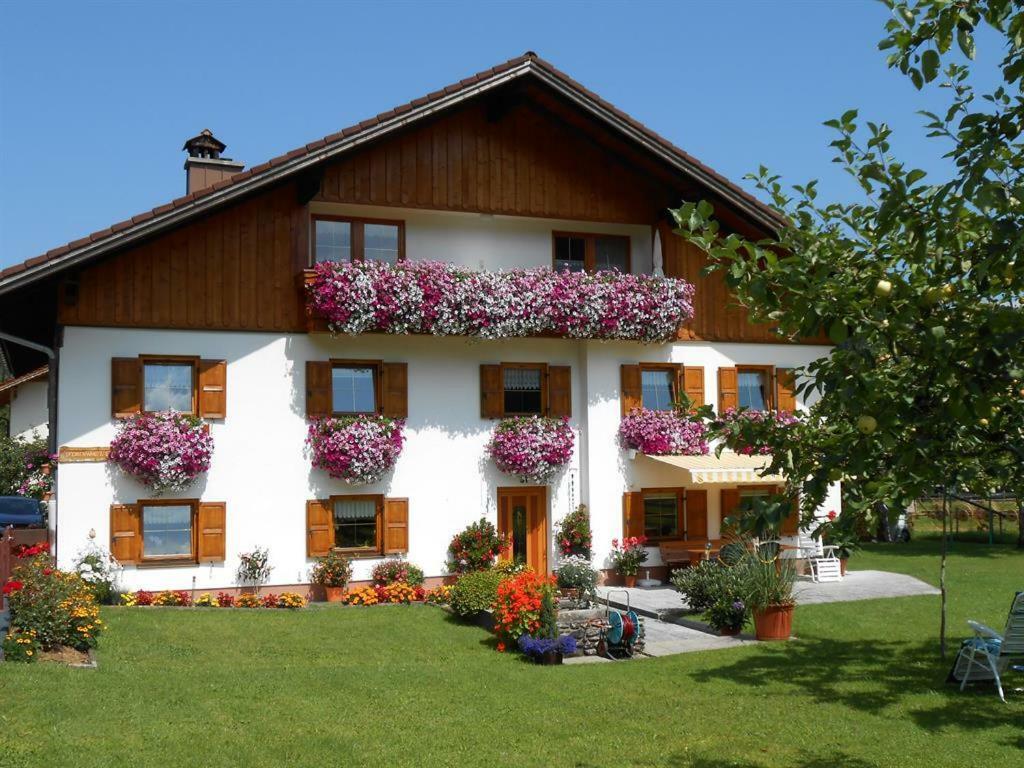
[733,468]
[294,163]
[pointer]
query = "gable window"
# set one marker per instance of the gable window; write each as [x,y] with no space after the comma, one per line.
[338,238]
[523,389]
[167,531]
[658,386]
[661,516]
[581,252]
[354,388]
[753,390]
[168,385]
[356,520]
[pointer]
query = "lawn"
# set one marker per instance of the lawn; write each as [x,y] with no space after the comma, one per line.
[407,686]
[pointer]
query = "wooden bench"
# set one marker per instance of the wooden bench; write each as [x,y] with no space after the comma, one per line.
[679,552]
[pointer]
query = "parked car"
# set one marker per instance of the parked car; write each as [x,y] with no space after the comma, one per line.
[22,512]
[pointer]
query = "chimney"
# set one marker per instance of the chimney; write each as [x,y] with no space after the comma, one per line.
[204,166]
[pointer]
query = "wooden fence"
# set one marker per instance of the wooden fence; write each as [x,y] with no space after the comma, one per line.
[6,555]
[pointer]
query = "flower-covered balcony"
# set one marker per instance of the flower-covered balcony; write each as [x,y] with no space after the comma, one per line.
[435,298]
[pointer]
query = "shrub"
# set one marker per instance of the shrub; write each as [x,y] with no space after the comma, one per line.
[517,607]
[657,433]
[332,570]
[575,572]
[720,592]
[253,567]
[394,570]
[15,456]
[573,533]
[58,607]
[475,548]
[475,592]
[165,451]
[356,449]
[533,448]
[700,584]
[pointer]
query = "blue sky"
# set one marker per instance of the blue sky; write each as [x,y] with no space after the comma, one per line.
[97,98]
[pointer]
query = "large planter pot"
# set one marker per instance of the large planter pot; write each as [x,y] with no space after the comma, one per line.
[774,622]
[842,566]
[630,580]
[729,631]
[334,594]
[549,658]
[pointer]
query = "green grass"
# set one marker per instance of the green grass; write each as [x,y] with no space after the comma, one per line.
[407,686]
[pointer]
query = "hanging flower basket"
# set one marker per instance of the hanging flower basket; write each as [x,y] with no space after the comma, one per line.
[432,297]
[534,448]
[356,449]
[166,451]
[660,433]
[743,430]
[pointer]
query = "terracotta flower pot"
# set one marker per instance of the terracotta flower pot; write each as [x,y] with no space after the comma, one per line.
[774,622]
[334,594]
[630,580]
[729,631]
[549,658]
[842,566]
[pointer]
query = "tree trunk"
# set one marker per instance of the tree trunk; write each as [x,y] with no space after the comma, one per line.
[942,579]
[1020,522]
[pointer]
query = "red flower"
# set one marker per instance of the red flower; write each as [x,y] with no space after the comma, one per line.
[12,586]
[832,514]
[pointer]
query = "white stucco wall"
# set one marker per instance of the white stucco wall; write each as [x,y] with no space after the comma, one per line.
[261,470]
[29,415]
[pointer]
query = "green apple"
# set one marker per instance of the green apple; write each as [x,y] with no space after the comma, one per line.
[835,475]
[883,288]
[866,424]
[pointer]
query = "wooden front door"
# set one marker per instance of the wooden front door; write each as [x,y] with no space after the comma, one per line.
[523,518]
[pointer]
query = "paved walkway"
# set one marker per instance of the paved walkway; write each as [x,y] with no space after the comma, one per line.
[670,630]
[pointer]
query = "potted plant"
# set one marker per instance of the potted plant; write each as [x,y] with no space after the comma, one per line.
[573,533]
[547,650]
[253,570]
[727,616]
[840,532]
[628,556]
[769,587]
[576,578]
[332,572]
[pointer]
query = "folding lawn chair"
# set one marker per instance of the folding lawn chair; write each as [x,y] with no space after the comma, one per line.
[987,655]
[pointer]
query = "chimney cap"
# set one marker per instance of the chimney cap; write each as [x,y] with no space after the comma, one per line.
[204,145]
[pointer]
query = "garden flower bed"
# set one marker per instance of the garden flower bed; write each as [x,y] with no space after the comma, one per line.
[445,300]
[181,598]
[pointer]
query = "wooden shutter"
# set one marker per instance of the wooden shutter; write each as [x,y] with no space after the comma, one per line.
[791,524]
[211,526]
[492,392]
[730,500]
[319,527]
[125,386]
[126,533]
[696,514]
[728,389]
[396,526]
[395,390]
[785,390]
[631,388]
[693,384]
[213,396]
[318,389]
[632,514]
[559,390]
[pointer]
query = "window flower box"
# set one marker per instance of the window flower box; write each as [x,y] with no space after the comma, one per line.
[660,433]
[166,450]
[535,448]
[356,449]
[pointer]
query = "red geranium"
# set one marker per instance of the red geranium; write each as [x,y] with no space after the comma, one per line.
[12,586]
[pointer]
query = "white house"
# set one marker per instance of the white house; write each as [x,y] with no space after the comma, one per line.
[199,304]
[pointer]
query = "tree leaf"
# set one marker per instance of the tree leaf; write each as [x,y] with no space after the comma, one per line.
[930,64]
[965,40]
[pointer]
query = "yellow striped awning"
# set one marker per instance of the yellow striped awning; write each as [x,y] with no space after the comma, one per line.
[727,468]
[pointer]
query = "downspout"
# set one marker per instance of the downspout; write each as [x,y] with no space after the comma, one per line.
[51,408]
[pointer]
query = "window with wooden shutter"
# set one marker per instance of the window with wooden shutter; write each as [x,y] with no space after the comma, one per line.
[728,389]
[396,526]
[785,390]
[211,532]
[630,387]
[125,391]
[318,389]
[395,390]
[632,514]
[125,533]
[559,391]
[729,504]
[696,514]
[491,392]
[319,527]
[213,378]
[693,384]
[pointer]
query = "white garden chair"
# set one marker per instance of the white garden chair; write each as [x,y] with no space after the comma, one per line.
[987,655]
[821,558]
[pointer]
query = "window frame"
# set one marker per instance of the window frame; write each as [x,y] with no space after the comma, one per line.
[193,557]
[192,360]
[769,384]
[360,552]
[590,248]
[676,382]
[680,494]
[377,366]
[357,223]
[543,369]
